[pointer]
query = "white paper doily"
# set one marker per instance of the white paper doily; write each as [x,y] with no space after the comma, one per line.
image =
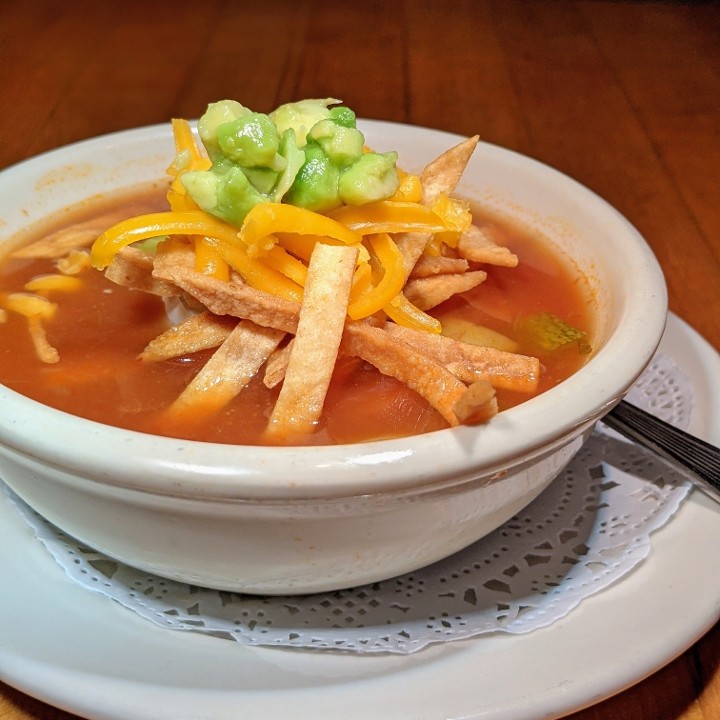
[584,533]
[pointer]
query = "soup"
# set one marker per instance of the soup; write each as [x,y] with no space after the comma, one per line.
[100,328]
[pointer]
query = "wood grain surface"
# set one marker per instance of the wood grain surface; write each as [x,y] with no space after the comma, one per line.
[622,96]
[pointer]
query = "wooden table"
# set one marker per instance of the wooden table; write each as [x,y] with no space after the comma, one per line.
[623,96]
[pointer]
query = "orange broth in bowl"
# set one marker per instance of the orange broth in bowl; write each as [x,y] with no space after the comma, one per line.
[100,328]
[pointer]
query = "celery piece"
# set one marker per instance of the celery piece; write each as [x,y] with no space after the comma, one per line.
[548,332]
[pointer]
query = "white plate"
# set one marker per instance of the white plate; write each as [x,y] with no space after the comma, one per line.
[86,654]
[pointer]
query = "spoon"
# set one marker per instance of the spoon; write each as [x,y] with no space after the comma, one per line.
[696,459]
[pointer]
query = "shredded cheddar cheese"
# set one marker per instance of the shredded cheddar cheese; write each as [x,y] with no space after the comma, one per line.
[49,283]
[272,249]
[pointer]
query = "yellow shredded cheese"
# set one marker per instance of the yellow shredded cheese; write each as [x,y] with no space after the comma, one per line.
[403,312]
[74,262]
[30,305]
[43,349]
[393,278]
[49,283]
[385,216]
[209,261]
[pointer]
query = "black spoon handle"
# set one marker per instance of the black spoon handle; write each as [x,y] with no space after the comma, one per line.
[696,459]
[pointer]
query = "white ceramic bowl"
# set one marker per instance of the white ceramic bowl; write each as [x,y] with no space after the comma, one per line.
[297,520]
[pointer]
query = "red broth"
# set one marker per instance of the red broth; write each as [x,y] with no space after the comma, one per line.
[100,330]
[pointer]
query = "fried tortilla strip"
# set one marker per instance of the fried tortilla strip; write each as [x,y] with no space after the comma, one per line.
[198,332]
[61,242]
[440,176]
[393,357]
[315,348]
[226,298]
[480,245]
[227,372]
[132,268]
[411,245]
[428,266]
[444,172]
[477,404]
[276,366]
[428,292]
[502,369]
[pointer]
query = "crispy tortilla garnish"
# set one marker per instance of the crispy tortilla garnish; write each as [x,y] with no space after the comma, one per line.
[428,266]
[314,351]
[411,245]
[234,297]
[197,332]
[439,177]
[227,372]
[60,243]
[428,292]
[133,268]
[416,369]
[477,404]
[276,366]
[502,369]
[479,245]
[443,174]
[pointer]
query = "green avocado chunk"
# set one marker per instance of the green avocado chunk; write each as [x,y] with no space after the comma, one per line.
[304,153]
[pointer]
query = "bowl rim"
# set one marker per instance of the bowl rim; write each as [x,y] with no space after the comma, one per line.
[127,459]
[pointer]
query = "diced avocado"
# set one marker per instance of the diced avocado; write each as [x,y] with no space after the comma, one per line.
[343,145]
[343,116]
[301,116]
[250,141]
[373,177]
[294,160]
[303,153]
[229,196]
[316,184]
[217,114]
[262,179]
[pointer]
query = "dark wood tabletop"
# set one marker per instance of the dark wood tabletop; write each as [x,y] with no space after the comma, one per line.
[622,96]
